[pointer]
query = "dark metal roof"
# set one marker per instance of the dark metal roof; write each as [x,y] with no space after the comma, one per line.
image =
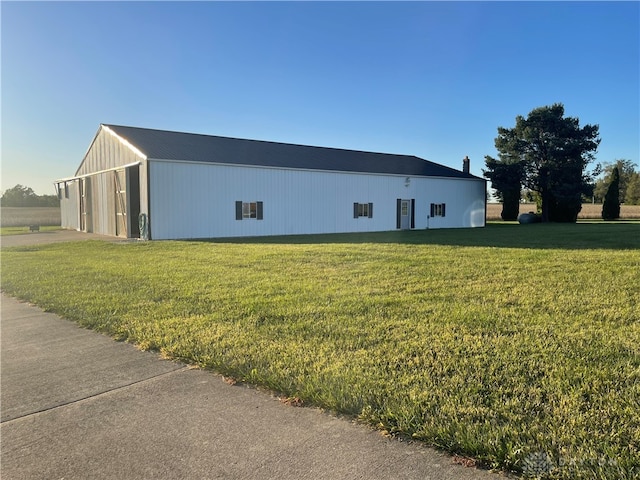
[167,145]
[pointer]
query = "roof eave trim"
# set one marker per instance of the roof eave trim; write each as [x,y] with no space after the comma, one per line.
[76,177]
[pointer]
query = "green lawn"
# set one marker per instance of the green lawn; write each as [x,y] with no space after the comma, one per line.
[25,230]
[510,344]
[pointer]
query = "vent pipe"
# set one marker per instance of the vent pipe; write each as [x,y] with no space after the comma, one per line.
[465,164]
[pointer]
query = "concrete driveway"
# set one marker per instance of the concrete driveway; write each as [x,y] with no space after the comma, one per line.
[54,236]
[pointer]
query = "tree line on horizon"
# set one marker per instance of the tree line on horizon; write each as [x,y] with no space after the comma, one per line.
[544,159]
[21,196]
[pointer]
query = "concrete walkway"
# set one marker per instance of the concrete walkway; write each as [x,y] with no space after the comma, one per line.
[76,404]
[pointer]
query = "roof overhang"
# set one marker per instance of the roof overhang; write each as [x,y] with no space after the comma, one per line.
[113,169]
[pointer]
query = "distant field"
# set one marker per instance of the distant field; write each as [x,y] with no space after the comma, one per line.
[589,210]
[22,216]
[516,345]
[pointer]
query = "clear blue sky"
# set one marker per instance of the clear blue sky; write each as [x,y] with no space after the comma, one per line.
[424,78]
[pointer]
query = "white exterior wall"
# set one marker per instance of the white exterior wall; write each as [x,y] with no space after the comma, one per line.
[193,200]
[69,205]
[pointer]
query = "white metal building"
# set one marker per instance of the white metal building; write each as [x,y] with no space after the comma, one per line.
[171,185]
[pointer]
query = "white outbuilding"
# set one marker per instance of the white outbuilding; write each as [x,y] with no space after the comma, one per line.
[160,184]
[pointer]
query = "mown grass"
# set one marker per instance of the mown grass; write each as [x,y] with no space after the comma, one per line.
[25,230]
[507,344]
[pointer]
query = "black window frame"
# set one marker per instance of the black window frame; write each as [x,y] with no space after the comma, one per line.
[254,208]
[438,210]
[362,210]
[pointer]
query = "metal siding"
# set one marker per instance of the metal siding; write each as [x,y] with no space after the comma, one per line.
[70,207]
[104,153]
[98,203]
[464,200]
[144,187]
[88,216]
[110,203]
[121,206]
[103,203]
[198,201]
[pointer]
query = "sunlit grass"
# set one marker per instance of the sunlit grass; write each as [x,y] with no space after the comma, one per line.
[496,343]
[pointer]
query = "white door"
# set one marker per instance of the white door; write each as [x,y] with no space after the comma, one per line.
[405,214]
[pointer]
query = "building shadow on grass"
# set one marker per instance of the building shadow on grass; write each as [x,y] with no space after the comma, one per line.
[584,235]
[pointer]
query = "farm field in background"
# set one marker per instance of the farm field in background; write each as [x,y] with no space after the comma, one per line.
[23,216]
[505,344]
[589,211]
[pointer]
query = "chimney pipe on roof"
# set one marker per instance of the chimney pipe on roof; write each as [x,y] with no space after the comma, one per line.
[465,164]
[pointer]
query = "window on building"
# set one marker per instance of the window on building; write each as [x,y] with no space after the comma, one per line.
[249,210]
[438,210]
[363,210]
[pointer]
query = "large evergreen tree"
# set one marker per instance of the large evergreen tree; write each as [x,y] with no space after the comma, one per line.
[611,205]
[554,152]
[506,179]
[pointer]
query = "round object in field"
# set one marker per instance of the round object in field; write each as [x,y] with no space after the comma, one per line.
[525,218]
